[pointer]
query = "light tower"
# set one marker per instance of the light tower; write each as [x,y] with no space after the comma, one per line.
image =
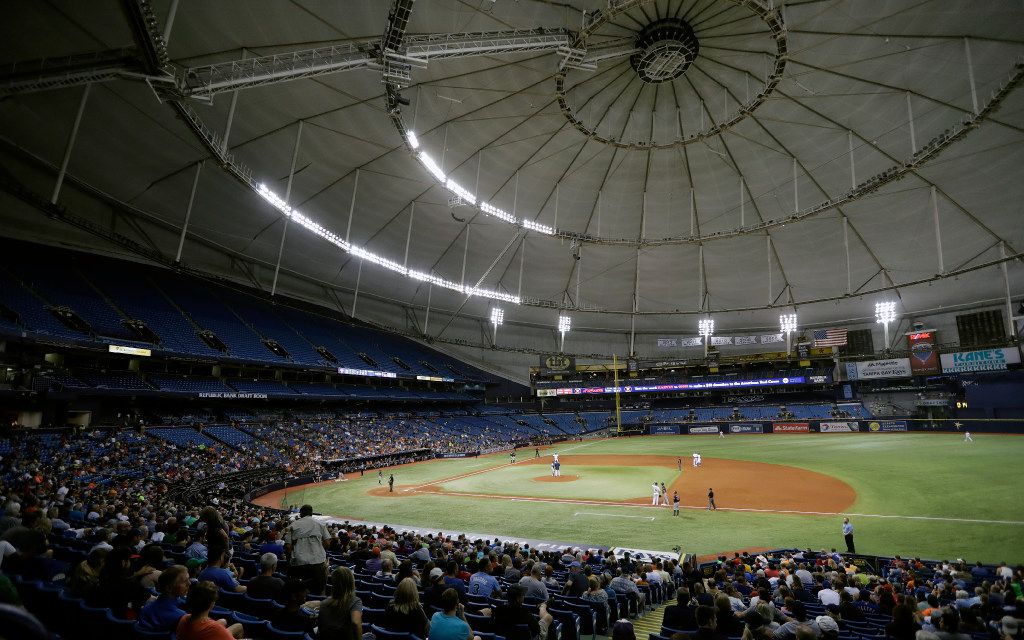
[497,319]
[787,322]
[706,327]
[885,313]
[564,324]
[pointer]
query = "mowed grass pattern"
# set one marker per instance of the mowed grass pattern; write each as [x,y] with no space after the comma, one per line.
[904,476]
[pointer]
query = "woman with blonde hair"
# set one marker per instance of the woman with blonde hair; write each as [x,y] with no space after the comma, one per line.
[404,613]
[341,615]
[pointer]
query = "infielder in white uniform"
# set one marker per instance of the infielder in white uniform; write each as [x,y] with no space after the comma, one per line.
[655,494]
[696,460]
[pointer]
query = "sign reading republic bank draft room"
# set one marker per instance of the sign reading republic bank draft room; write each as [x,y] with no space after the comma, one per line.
[979,360]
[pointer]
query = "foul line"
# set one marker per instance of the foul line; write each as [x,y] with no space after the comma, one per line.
[611,503]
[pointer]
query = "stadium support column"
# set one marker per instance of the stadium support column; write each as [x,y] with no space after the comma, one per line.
[355,296]
[70,145]
[171,12]
[188,212]
[743,217]
[768,242]
[408,234]
[970,75]
[618,406]
[853,170]
[796,190]
[426,317]
[352,206]
[910,121]
[938,233]
[287,198]
[1010,327]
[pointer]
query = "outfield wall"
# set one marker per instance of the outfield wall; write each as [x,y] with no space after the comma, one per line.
[874,425]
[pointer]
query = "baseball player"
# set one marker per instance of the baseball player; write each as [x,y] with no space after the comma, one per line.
[675,503]
[711,500]
[558,468]
[967,437]
[664,494]
[655,494]
[695,459]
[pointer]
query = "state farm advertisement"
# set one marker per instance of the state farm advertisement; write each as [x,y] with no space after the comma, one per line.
[791,427]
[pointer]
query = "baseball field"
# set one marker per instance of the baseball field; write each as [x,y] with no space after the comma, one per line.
[932,495]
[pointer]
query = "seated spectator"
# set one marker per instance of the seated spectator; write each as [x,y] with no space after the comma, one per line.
[828,628]
[151,561]
[450,623]
[847,609]
[117,589]
[266,585]
[292,617]
[406,570]
[385,574]
[623,630]
[483,584]
[535,587]
[220,573]
[680,615]
[599,600]
[163,613]
[949,626]
[707,627]
[340,616]
[404,612]
[508,618]
[86,575]
[726,621]
[198,547]
[575,583]
[903,625]
[432,595]
[197,624]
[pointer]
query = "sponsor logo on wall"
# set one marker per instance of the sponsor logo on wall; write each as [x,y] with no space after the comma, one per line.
[664,429]
[979,360]
[791,427]
[838,427]
[875,369]
[923,355]
[887,425]
[746,427]
[236,395]
[707,428]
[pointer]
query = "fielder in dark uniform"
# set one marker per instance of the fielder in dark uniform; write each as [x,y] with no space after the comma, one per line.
[711,500]
[391,483]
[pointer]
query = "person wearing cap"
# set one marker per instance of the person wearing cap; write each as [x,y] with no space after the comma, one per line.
[305,543]
[575,582]
[828,627]
[435,587]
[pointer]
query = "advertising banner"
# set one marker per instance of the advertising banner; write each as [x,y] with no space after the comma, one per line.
[667,343]
[924,357]
[791,427]
[557,362]
[720,340]
[704,428]
[979,360]
[232,395]
[838,427]
[746,427]
[876,369]
[664,430]
[887,425]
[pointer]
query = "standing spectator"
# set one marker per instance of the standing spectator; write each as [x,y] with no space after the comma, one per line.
[341,615]
[848,535]
[305,542]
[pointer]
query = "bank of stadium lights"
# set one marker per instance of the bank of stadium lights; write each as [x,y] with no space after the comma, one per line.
[564,324]
[706,328]
[885,313]
[787,322]
[497,319]
[467,196]
[364,254]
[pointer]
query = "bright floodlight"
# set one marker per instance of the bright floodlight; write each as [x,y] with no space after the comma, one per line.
[414,142]
[497,316]
[706,327]
[787,322]
[885,312]
[564,324]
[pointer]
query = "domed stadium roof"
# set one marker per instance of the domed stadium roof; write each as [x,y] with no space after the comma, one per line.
[632,164]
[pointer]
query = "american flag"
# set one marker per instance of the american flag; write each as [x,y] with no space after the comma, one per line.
[829,337]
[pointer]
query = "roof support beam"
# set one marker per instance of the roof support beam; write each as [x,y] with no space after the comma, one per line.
[71,145]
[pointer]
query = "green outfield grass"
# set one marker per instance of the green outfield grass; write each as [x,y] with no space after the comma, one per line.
[924,494]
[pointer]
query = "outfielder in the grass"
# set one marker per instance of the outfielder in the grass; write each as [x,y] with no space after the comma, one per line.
[721,432]
[512,457]
[967,437]
[391,483]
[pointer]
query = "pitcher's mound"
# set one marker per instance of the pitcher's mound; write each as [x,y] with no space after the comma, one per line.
[565,478]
